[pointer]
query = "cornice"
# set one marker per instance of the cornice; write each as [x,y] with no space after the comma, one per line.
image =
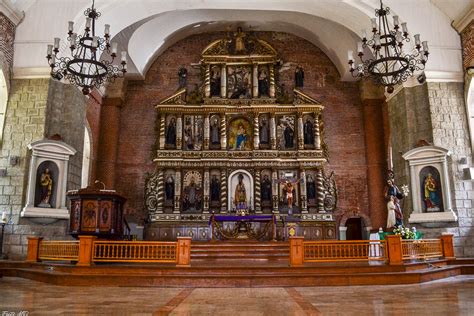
[9,10]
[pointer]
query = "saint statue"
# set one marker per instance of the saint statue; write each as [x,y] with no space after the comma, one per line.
[310,187]
[216,82]
[169,188]
[290,190]
[430,194]
[240,194]
[391,207]
[241,138]
[392,191]
[288,135]
[263,85]
[215,133]
[239,41]
[266,189]
[308,130]
[182,77]
[215,189]
[263,132]
[192,196]
[188,135]
[46,183]
[170,138]
[299,77]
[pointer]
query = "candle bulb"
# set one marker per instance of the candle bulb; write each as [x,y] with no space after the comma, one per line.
[107,29]
[72,40]
[94,41]
[56,42]
[50,50]
[417,39]
[71,26]
[360,49]
[374,23]
[404,27]
[398,37]
[88,23]
[377,40]
[124,56]
[350,55]
[425,46]
[395,20]
[114,48]
[364,34]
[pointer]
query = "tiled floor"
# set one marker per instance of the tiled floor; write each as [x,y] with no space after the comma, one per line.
[453,296]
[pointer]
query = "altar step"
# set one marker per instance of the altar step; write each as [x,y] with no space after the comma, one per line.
[240,252]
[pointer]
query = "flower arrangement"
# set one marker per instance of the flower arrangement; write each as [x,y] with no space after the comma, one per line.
[405,232]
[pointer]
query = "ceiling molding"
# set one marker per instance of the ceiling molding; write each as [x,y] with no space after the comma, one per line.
[9,10]
[461,23]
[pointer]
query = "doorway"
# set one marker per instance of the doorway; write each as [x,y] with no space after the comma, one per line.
[354,228]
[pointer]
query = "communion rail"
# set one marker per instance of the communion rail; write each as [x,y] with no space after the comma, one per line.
[59,250]
[342,250]
[422,249]
[135,251]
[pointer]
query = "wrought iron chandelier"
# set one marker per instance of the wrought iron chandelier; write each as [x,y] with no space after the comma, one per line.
[390,64]
[84,68]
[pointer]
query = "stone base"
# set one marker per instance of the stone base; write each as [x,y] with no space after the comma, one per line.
[44,215]
[433,218]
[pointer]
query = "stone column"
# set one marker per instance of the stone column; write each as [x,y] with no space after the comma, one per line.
[223,132]
[272,80]
[223,191]
[223,81]
[273,131]
[160,191]
[207,81]
[206,191]
[304,204]
[206,132]
[275,188]
[177,192]
[258,192]
[300,131]
[320,190]
[179,133]
[317,133]
[256,132]
[161,132]
[255,80]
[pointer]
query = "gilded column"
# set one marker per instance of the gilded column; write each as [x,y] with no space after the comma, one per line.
[223,132]
[255,80]
[177,192]
[162,131]
[206,191]
[320,190]
[223,82]
[300,131]
[317,133]
[273,131]
[304,198]
[179,133]
[258,194]
[206,133]
[275,188]
[161,191]
[223,191]
[256,132]
[207,81]
[272,80]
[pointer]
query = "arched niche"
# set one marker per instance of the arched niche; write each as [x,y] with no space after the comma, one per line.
[48,167]
[247,180]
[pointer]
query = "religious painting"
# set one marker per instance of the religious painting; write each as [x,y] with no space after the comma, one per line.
[266,189]
[264,131]
[289,191]
[311,197]
[286,132]
[431,191]
[193,132]
[89,215]
[105,215]
[239,82]
[170,132]
[192,191]
[308,131]
[169,177]
[215,189]
[215,81]
[241,190]
[214,132]
[75,215]
[240,136]
[263,81]
[46,182]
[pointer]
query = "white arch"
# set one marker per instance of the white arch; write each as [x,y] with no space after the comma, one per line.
[3,101]
[86,156]
[470,104]
[249,191]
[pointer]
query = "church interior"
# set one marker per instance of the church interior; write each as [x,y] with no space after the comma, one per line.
[289,153]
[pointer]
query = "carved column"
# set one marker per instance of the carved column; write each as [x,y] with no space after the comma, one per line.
[206,191]
[206,133]
[256,132]
[207,81]
[161,191]
[273,131]
[275,188]
[255,81]
[223,81]
[177,192]
[223,191]
[179,133]
[300,131]
[223,132]
[320,190]
[304,199]
[272,80]
[258,193]
[162,131]
[317,133]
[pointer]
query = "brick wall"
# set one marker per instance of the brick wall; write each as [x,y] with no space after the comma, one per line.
[467,42]
[7,36]
[343,115]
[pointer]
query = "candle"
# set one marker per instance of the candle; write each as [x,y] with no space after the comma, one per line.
[350,55]
[73,39]
[88,23]
[50,50]
[377,40]
[364,34]
[425,46]
[56,42]
[359,47]
[417,39]
[71,26]
[124,56]
[404,27]
[107,29]
[374,23]
[95,41]
[114,48]
[395,20]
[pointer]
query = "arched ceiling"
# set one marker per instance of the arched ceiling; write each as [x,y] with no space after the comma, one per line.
[146,28]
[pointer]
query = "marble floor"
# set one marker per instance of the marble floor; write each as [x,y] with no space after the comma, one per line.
[453,296]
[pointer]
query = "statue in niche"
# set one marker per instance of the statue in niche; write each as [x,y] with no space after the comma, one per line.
[264,131]
[266,188]
[240,194]
[310,187]
[169,188]
[192,196]
[215,132]
[299,77]
[239,41]
[170,138]
[239,82]
[188,134]
[308,131]
[263,84]
[182,77]
[46,183]
[289,191]
[289,136]
[215,188]
[215,81]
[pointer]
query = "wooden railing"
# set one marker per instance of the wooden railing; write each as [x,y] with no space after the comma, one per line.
[134,251]
[59,250]
[356,250]
[422,249]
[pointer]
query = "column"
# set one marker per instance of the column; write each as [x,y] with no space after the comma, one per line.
[160,191]
[275,188]
[256,132]
[177,192]
[179,133]
[304,199]
[272,80]
[255,80]
[223,191]
[300,131]
[223,132]
[273,131]
[161,132]
[320,190]
[206,132]
[206,191]
[223,81]
[258,193]
[207,81]
[317,133]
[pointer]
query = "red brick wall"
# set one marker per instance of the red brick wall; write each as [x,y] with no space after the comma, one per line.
[343,117]
[467,42]
[7,36]
[93,120]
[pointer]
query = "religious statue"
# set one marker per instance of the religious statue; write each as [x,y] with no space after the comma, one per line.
[310,188]
[391,208]
[192,196]
[182,77]
[299,77]
[239,82]
[188,135]
[239,41]
[288,136]
[308,130]
[266,189]
[263,84]
[46,183]
[393,191]
[264,132]
[430,195]
[215,82]
[215,132]
[240,194]
[169,188]
[215,189]
[241,138]
[290,190]
[170,138]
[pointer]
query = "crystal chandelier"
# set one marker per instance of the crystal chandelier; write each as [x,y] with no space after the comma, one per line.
[390,64]
[84,68]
